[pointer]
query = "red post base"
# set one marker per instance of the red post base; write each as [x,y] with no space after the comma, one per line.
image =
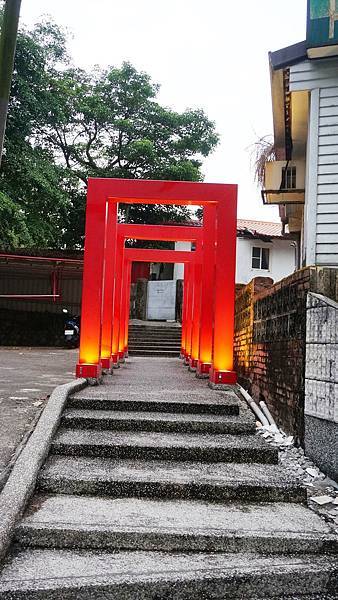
[193,363]
[223,377]
[88,371]
[115,359]
[203,368]
[182,354]
[106,363]
[186,359]
[121,356]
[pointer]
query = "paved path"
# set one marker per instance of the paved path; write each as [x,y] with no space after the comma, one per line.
[157,487]
[27,377]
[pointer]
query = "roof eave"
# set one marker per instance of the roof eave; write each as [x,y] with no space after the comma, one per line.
[286,57]
[279,61]
[278,112]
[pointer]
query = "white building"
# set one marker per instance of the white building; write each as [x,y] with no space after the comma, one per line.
[303,180]
[262,251]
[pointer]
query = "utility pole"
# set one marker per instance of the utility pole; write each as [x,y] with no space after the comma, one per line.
[9,32]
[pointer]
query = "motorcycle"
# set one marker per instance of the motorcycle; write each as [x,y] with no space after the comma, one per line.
[71,330]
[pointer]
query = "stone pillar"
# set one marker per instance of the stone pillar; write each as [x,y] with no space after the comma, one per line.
[141,299]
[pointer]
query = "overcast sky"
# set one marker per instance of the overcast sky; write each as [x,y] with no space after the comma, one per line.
[211,54]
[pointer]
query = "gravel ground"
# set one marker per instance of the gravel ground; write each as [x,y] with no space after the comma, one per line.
[322,492]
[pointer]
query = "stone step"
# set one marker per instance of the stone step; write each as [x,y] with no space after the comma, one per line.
[155,336]
[160,340]
[144,342]
[174,333]
[155,421]
[154,352]
[164,446]
[154,340]
[218,482]
[173,348]
[181,402]
[152,344]
[44,574]
[173,526]
[155,327]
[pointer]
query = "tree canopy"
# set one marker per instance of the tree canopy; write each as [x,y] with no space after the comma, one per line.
[66,124]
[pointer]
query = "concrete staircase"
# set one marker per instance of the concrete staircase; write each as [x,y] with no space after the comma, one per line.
[154,340]
[157,487]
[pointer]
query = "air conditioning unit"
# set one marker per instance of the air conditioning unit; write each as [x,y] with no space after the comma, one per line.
[284,182]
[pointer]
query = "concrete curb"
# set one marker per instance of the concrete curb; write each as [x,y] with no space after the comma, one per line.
[21,482]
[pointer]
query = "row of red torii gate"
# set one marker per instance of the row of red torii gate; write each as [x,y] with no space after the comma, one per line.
[209,273]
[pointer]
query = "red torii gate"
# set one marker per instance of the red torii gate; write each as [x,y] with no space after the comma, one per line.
[209,281]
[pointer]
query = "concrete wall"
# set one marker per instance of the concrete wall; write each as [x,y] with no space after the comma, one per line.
[321,382]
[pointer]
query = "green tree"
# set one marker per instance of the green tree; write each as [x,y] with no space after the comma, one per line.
[13,229]
[66,125]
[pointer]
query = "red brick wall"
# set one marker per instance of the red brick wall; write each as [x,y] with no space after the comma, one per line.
[269,341]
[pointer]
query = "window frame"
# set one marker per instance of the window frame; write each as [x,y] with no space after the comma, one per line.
[260,258]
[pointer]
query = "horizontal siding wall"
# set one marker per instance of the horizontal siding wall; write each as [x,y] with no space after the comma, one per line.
[310,75]
[323,171]
[327,177]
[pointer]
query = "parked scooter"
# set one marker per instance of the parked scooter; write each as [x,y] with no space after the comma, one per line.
[72,330]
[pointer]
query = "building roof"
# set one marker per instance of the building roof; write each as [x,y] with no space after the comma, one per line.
[286,57]
[251,228]
[259,228]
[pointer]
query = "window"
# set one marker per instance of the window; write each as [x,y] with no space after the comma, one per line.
[260,258]
[289,178]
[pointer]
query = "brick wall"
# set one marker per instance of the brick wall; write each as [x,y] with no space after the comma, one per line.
[270,341]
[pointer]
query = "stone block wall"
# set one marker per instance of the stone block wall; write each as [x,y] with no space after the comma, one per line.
[321,383]
[270,341]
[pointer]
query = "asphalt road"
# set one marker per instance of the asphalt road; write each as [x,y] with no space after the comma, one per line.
[27,377]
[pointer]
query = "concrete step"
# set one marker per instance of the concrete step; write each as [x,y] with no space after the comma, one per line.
[154,352]
[44,574]
[173,526]
[175,350]
[217,482]
[174,333]
[164,446]
[150,340]
[146,342]
[159,340]
[154,336]
[155,421]
[181,402]
[152,344]
[162,479]
[155,327]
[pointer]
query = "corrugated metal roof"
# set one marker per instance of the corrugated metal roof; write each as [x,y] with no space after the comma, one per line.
[259,228]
